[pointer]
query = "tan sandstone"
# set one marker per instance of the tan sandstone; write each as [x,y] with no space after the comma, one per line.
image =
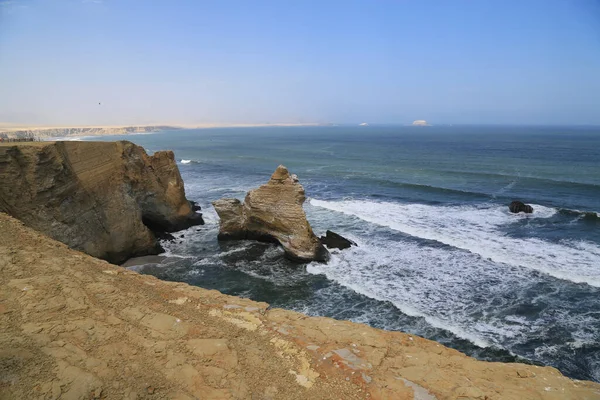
[103,198]
[273,212]
[75,327]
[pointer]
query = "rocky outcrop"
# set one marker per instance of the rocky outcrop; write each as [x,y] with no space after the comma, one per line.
[74,327]
[334,241]
[518,206]
[103,198]
[272,213]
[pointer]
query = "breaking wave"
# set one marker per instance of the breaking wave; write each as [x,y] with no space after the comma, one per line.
[482,230]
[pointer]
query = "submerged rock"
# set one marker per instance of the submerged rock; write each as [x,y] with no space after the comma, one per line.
[519,206]
[272,213]
[195,206]
[334,241]
[107,199]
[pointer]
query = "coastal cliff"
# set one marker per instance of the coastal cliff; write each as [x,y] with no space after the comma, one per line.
[75,327]
[106,199]
[81,131]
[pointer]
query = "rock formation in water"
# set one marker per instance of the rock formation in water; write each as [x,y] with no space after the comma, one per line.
[518,206]
[272,213]
[104,198]
[334,241]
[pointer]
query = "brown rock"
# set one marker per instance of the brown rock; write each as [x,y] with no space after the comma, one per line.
[272,213]
[525,373]
[214,346]
[103,198]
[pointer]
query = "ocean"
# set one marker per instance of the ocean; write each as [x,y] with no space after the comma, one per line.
[438,253]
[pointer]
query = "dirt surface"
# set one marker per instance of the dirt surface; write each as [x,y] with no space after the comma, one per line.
[75,327]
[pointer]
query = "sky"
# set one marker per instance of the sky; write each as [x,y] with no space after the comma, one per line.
[113,62]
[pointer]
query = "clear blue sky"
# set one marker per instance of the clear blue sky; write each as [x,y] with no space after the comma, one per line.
[454,61]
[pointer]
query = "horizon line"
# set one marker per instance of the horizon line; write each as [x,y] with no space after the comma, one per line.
[10,127]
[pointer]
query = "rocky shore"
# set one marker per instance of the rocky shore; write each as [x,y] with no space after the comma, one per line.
[108,199]
[75,327]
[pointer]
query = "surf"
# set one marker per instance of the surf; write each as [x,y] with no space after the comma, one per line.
[482,230]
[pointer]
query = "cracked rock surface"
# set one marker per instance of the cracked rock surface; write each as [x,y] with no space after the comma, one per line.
[75,327]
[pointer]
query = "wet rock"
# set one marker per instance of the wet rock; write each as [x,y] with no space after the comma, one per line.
[195,206]
[335,241]
[518,206]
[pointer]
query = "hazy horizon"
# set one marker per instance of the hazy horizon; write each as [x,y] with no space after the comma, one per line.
[102,62]
[8,127]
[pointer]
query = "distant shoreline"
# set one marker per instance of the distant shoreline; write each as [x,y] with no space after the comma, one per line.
[14,131]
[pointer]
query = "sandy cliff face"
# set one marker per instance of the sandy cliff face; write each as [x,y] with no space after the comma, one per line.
[273,212]
[74,327]
[98,197]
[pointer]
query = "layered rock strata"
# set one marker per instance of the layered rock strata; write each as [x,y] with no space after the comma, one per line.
[272,213]
[104,198]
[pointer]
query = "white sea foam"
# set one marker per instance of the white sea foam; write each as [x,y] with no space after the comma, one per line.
[423,282]
[480,231]
[186,161]
[67,138]
[451,289]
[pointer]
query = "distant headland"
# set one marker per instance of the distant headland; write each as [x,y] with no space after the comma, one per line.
[44,132]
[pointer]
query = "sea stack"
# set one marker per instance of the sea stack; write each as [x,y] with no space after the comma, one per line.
[273,213]
[107,199]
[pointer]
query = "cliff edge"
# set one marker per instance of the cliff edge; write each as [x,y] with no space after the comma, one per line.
[106,199]
[75,327]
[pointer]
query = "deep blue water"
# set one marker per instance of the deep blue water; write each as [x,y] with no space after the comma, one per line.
[438,253]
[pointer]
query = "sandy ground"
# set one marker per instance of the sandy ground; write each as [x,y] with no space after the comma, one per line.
[74,327]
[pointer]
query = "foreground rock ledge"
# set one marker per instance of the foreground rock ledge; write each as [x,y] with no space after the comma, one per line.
[272,213]
[75,327]
[104,198]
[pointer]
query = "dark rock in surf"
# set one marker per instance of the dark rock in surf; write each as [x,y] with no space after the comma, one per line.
[519,206]
[166,236]
[334,241]
[195,206]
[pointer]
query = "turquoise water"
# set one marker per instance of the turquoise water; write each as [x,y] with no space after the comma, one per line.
[438,254]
